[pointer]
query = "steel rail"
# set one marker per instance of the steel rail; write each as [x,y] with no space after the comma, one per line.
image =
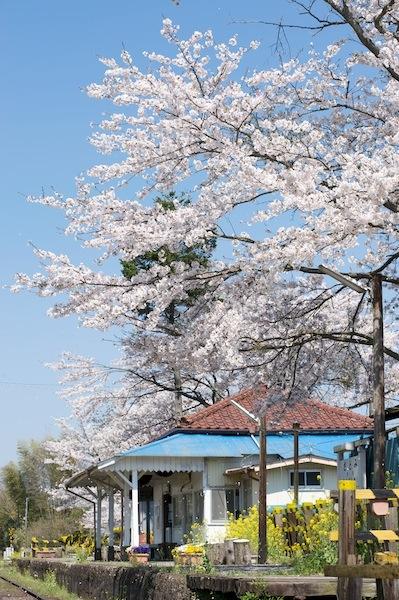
[27,591]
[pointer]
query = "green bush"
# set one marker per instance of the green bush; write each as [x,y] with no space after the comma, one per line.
[246,527]
[312,549]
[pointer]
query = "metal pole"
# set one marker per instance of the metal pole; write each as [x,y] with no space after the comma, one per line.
[378,383]
[262,552]
[295,428]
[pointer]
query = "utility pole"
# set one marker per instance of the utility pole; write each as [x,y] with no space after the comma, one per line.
[26,520]
[378,369]
[378,382]
[295,429]
[262,498]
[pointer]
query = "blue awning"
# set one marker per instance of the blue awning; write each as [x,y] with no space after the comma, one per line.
[197,444]
[218,445]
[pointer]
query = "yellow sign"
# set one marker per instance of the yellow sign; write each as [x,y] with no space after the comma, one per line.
[346,484]
[384,535]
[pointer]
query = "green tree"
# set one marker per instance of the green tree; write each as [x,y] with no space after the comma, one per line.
[31,476]
[198,253]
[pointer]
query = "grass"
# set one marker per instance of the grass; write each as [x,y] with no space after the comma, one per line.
[47,587]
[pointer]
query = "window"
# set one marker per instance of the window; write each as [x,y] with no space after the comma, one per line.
[307,478]
[198,506]
[219,505]
[187,508]
[225,500]
[178,512]
[247,494]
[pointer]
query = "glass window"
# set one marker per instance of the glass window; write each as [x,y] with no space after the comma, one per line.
[219,505]
[230,504]
[306,478]
[246,494]
[177,511]
[313,478]
[198,507]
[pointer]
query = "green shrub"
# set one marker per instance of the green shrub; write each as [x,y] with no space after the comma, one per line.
[246,527]
[312,549]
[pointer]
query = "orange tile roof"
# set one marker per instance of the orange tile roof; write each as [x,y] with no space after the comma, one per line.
[312,415]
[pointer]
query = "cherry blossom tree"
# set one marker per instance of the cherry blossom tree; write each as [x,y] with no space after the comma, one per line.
[288,168]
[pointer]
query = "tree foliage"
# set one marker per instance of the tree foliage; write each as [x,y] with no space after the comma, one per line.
[288,167]
[32,477]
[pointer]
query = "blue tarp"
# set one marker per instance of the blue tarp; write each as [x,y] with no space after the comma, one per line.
[217,445]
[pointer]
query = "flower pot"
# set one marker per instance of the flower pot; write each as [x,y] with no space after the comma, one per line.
[189,559]
[142,538]
[138,559]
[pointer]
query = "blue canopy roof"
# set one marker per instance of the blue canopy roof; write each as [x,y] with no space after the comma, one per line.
[217,445]
[197,444]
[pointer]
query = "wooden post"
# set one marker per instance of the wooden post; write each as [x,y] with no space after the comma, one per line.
[262,552]
[378,383]
[295,428]
[229,552]
[348,588]
[242,553]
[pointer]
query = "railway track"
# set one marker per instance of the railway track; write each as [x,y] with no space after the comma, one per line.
[25,592]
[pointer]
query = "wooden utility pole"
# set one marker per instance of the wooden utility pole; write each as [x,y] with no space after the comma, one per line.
[348,588]
[262,498]
[378,383]
[295,429]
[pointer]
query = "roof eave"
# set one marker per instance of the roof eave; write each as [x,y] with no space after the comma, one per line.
[341,431]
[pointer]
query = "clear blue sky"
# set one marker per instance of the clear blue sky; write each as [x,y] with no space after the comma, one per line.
[48,52]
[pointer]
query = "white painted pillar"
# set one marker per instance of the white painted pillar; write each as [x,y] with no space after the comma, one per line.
[207,501]
[126,516]
[111,522]
[134,516]
[111,519]
[97,553]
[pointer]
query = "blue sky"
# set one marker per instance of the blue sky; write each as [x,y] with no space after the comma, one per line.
[48,53]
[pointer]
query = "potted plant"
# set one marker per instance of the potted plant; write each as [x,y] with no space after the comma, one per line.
[189,555]
[139,554]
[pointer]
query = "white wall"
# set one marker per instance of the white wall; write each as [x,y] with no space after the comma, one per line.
[280,493]
[176,484]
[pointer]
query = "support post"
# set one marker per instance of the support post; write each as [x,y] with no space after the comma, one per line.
[378,383]
[262,552]
[97,552]
[348,588]
[295,428]
[134,511]
[126,517]
[207,500]
[111,523]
